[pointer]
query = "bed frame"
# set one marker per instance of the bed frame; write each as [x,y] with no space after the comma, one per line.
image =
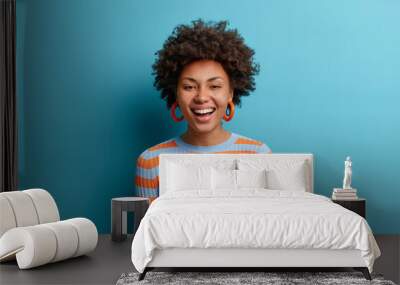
[244,259]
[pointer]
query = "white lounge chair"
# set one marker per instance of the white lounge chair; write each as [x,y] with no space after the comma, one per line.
[31,230]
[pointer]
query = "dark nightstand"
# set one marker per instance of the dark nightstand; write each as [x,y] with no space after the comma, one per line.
[119,208]
[357,206]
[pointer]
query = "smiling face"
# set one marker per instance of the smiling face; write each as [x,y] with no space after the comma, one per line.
[203,93]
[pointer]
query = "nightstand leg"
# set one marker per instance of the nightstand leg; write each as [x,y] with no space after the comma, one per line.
[124,224]
[116,222]
[140,211]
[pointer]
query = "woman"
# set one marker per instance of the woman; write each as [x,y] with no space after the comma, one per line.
[203,69]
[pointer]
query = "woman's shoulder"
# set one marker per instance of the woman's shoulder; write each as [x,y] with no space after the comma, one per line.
[163,147]
[259,146]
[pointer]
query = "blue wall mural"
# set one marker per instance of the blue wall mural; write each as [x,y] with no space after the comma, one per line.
[329,85]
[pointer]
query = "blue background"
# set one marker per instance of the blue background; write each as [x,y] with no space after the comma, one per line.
[329,84]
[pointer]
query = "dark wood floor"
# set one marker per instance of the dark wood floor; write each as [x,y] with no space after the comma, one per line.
[110,260]
[102,266]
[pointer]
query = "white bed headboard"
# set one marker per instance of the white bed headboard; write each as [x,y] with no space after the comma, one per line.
[212,159]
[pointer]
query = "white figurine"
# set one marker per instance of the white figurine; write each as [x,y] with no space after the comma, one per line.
[347,174]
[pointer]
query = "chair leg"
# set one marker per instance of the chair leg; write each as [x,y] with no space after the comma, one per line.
[143,274]
[364,271]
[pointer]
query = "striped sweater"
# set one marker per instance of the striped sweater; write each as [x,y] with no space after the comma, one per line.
[146,180]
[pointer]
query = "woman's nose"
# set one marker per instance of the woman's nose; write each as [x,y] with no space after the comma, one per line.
[202,95]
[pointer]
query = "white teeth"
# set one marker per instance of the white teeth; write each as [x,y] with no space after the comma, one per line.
[203,111]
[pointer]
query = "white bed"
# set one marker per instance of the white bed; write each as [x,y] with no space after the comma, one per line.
[248,227]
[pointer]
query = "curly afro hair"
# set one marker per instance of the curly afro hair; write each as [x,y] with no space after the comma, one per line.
[212,41]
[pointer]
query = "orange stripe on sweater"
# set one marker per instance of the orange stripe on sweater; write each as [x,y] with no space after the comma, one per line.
[236,151]
[148,163]
[145,182]
[164,145]
[247,141]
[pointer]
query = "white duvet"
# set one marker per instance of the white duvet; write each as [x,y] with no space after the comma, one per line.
[251,218]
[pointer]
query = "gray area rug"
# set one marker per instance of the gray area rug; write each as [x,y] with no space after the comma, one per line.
[231,278]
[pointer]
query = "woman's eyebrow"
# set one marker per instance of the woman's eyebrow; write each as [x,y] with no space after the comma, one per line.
[214,78]
[210,79]
[190,79]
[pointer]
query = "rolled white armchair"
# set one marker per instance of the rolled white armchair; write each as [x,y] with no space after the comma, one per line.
[31,230]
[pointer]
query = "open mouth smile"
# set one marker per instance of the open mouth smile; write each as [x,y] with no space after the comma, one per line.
[203,115]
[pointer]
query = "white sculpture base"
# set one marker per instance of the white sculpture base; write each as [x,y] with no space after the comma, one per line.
[344,190]
[344,194]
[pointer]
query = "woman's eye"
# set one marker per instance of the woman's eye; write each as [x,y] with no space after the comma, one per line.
[215,86]
[188,87]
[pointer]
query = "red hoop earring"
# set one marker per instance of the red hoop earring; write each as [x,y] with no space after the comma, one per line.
[231,111]
[174,117]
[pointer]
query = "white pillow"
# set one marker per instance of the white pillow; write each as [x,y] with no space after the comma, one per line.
[251,178]
[288,179]
[187,177]
[223,179]
[228,179]
[281,174]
